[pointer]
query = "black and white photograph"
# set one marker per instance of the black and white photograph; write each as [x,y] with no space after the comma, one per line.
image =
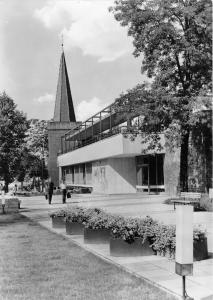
[106,163]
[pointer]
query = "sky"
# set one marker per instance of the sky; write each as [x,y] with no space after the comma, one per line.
[98,54]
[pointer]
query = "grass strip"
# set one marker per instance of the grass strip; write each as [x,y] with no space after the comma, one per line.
[37,264]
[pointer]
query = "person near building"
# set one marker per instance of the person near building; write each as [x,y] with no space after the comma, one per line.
[50,190]
[63,188]
[1,188]
[15,189]
[46,187]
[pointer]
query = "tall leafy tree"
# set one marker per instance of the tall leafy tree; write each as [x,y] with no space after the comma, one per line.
[37,138]
[13,126]
[37,148]
[31,167]
[174,40]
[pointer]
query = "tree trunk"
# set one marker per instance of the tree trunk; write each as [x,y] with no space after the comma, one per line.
[6,183]
[33,185]
[184,162]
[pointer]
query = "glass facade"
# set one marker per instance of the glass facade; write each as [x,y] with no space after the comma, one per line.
[80,174]
[150,171]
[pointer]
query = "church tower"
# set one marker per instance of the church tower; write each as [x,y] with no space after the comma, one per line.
[63,120]
[64,110]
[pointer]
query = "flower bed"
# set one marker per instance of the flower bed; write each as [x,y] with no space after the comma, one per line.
[80,214]
[163,237]
[58,218]
[159,237]
[130,229]
[164,241]
[98,227]
[102,220]
[75,214]
[58,213]
[77,217]
[132,237]
[152,236]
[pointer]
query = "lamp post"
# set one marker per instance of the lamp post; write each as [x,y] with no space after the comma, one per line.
[184,244]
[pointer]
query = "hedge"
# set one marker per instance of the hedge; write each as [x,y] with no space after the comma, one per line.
[160,236]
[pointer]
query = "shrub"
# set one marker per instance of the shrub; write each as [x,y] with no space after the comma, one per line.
[75,214]
[58,213]
[198,233]
[130,229]
[126,229]
[163,238]
[90,212]
[80,214]
[101,220]
[146,229]
[160,236]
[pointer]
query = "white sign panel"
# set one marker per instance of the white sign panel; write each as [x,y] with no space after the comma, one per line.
[184,234]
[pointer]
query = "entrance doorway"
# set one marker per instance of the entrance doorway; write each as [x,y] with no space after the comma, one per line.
[145,176]
[150,175]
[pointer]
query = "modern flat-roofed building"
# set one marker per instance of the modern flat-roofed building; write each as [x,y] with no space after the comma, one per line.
[96,154]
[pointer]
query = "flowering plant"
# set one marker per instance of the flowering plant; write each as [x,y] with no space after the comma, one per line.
[199,233]
[80,214]
[90,212]
[164,237]
[146,228]
[75,214]
[160,236]
[58,213]
[126,229]
[102,220]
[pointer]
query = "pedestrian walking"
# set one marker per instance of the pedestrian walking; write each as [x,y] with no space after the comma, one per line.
[46,190]
[1,188]
[50,190]
[15,189]
[63,188]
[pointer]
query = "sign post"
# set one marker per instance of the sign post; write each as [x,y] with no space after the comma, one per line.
[184,244]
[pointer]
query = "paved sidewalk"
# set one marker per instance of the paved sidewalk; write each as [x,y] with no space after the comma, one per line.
[159,270]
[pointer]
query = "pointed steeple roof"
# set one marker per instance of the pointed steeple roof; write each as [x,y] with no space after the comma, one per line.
[64,110]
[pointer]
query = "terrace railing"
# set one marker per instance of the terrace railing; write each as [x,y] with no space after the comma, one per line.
[68,146]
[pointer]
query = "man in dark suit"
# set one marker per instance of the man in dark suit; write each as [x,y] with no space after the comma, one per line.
[50,190]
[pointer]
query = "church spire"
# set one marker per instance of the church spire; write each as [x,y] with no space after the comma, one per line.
[64,110]
[62,43]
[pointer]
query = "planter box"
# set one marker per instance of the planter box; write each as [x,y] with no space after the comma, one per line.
[58,222]
[200,250]
[74,228]
[119,247]
[96,236]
